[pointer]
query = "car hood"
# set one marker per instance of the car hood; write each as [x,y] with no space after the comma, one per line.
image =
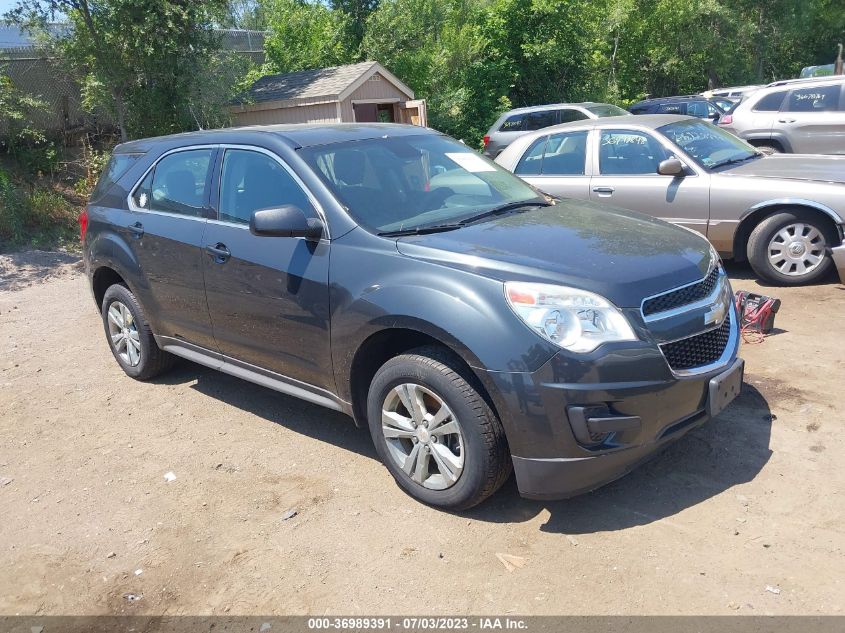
[622,255]
[794,167]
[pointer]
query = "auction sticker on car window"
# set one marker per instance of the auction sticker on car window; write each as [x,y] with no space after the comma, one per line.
[471,162]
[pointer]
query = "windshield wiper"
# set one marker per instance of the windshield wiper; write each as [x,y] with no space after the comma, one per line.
[421,230]
[734,161]
[500,210]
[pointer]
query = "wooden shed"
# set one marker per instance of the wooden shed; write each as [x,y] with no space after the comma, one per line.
[365,92]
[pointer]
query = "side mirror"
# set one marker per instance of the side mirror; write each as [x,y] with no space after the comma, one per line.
[285,221]
[671,167]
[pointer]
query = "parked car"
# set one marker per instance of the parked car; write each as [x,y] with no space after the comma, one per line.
[725,103]
[800,116]
[514,123]
[473,327]
[783,213]
[692,105]
[736,93]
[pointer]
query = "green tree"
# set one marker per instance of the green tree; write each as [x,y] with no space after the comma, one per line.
[137,58]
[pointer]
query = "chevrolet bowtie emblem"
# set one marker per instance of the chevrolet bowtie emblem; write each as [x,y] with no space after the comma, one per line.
[716,314]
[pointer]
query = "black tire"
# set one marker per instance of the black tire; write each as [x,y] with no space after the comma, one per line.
[763,233]
[769,149]
[487,462]
[153,361]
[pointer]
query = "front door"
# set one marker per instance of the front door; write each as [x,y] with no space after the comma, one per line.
[268,296]
[626,176]
[164,229]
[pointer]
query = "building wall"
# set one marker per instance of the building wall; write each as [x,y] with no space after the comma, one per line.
[370,89]
[317,113]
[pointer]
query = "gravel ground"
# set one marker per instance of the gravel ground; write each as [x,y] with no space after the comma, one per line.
[744,515]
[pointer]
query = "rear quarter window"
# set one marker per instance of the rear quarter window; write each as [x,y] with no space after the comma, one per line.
[769,103]
[118,165]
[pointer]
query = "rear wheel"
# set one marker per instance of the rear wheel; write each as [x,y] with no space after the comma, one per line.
[129,335]
[790,248]
[769,149]
[434,432]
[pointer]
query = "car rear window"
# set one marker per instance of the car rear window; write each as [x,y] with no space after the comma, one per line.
[513,123]
[118,165]
[770,103]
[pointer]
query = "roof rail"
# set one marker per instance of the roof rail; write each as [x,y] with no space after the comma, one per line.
[806,80]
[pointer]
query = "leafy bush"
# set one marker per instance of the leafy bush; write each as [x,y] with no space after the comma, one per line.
[34,216]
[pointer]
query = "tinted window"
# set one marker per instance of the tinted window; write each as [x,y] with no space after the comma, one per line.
[629,152]
[568,115]
[539,120]
[117,166]
[818,99]
[564,154]
[513,123]
[253,181]
[178,184]
[770,103]
[671,108]
[697,108]
[531,163]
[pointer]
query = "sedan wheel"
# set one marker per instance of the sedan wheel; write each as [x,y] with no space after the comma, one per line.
[797,249]
[791,248]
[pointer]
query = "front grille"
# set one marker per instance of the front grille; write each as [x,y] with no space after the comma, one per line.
[698,350]
[682,296]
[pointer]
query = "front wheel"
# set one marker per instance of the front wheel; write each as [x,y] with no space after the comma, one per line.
[791,248]
[434,432]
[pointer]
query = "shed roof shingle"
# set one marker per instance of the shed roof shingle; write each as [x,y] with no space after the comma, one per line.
[305,84]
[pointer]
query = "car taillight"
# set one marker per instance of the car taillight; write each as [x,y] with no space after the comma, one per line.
[726,119]
[83,224]
[486,140]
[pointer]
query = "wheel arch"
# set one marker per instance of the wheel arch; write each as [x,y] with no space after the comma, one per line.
[756,214]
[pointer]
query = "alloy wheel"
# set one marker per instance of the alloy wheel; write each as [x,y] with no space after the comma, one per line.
[123,334]
[423,436]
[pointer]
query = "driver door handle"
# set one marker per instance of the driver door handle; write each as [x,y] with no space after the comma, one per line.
[136,229]
[219,252]
[604,191]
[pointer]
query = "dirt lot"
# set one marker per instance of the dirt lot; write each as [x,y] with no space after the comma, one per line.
[750,500]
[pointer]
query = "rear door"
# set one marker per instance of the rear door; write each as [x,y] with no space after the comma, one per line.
[268,296]
[625,175]
[813,120]
[164,228]
[557,164]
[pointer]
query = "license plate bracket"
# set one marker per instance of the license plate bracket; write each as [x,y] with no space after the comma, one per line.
[724,388]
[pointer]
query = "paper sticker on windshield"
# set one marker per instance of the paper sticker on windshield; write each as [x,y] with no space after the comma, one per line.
[471,162]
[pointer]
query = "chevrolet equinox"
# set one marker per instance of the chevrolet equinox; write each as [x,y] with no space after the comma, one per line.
[475,325]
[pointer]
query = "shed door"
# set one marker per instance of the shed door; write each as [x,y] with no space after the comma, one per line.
[414,112]
[365,112]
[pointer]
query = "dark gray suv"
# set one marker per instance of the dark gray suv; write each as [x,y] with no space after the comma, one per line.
[474,325]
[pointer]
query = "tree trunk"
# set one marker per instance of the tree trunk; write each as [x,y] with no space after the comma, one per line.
[120,110]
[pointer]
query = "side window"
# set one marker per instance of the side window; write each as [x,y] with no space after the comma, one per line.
[531,162]
[177,184]
[569,115]
[697,108]
[513,123]
[671,108]
[629,152]
[770,103]
[818,99]
[539,120]
[252,181]
[565,154]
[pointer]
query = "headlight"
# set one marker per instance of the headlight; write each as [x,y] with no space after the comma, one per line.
[574,319]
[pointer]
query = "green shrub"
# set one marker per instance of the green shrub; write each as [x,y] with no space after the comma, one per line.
[36,217]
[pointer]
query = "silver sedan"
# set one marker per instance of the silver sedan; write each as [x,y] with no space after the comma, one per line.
[783,213]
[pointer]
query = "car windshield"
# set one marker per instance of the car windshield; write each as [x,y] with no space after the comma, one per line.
[710,146]
[605,109]
[415,182]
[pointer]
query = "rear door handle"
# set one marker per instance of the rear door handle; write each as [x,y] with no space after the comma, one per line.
[219,252]
[604,191]
[786,120]
[136,229]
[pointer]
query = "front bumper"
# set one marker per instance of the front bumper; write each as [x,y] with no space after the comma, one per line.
[838,253]
[543,417]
